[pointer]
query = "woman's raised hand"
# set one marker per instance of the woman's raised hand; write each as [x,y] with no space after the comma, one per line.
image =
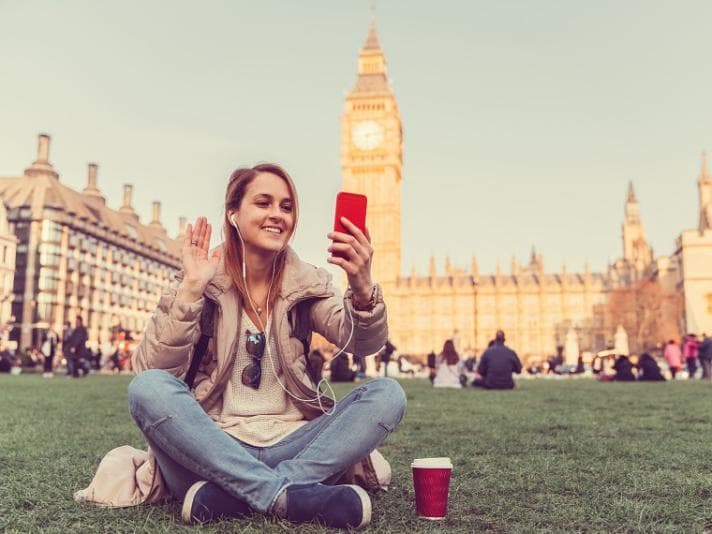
[356,255]
[199,266]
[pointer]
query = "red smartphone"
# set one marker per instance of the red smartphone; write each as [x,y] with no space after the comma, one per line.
[353,207]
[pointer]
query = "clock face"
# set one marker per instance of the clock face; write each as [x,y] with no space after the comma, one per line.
[367,135]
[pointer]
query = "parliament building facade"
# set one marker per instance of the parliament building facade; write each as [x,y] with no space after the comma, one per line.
[538,310]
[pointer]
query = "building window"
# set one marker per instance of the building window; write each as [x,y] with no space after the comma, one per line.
[49,280]
[44,307]
[50,254]
[51,231]
[73,240]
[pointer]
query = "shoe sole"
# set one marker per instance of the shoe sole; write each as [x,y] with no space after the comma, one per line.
[185,513]
[366,505]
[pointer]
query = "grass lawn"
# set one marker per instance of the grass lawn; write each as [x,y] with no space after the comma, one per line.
[553,455]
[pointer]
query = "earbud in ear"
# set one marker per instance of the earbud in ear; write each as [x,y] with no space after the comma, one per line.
[232,220]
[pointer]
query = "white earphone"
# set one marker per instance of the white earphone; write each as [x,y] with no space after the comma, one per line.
[265,329]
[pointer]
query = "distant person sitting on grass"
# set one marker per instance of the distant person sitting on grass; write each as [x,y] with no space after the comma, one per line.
[449,367]
[254,434]
[623,369]
[341,370]
[6,361]
[496,366]
[649,369]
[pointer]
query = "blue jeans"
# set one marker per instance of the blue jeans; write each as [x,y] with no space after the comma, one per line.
[189,446]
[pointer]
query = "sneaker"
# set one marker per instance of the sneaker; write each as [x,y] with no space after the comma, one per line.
[206,501]
[341,506]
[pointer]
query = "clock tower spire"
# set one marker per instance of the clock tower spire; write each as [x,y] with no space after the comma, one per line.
[372,157]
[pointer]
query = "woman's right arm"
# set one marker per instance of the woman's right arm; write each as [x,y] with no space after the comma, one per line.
[170,334]
[174,327]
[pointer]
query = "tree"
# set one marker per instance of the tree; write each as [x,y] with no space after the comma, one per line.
[648,314]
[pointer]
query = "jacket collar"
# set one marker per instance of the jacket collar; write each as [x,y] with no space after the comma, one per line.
[300,280]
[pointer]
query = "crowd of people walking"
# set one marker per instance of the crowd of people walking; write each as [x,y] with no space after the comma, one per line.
[70,353]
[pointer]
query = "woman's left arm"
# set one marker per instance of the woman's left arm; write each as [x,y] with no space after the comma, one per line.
[335,317]
[358,322]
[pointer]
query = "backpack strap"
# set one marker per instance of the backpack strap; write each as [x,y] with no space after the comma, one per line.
[301,329]
[207,327]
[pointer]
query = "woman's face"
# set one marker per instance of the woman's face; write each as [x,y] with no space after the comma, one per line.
[266,214]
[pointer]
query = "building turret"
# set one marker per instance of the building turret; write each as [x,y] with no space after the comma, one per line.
[156,216]
[182,224]
[126,207]
[704,187]
[474,268]
[432,268]
[41,166]
[91,189]
[636,250]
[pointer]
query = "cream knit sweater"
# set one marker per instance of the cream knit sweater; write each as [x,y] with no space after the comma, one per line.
[263,416]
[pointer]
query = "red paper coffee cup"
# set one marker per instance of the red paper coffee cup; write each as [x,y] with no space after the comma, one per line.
[431,481]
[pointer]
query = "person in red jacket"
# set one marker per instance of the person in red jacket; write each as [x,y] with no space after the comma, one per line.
[673,355]
[689,351]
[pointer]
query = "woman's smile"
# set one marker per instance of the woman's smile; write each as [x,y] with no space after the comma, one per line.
[267,211]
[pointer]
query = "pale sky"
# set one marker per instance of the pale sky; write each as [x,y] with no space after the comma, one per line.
[523,120]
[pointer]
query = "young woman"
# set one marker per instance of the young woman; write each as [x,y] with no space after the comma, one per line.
[450,368]
[257,435]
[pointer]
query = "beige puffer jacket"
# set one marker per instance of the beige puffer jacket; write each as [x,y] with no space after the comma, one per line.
[174,330]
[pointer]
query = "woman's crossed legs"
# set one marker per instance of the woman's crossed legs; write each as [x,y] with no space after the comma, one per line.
[189,446]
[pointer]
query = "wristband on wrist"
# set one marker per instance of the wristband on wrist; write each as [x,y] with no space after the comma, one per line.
[369,304]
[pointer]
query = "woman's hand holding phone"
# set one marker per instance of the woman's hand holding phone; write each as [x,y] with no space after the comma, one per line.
[198,267]
[355,254]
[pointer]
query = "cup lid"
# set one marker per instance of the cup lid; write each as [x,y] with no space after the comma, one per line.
[442,462]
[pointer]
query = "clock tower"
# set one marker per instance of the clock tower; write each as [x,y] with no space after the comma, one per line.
[372,157]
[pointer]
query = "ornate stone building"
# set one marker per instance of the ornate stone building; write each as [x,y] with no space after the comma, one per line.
[689,269]
[8,248]
[77,256]
[537,309]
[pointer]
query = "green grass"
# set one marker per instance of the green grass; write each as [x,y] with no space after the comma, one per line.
[553,455]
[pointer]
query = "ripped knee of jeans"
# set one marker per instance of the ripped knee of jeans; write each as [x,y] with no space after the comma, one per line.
[150,429]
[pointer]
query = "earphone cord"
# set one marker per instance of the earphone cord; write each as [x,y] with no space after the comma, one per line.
[323,381]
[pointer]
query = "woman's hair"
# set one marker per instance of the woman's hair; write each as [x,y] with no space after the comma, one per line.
[240,179]
[450,355]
